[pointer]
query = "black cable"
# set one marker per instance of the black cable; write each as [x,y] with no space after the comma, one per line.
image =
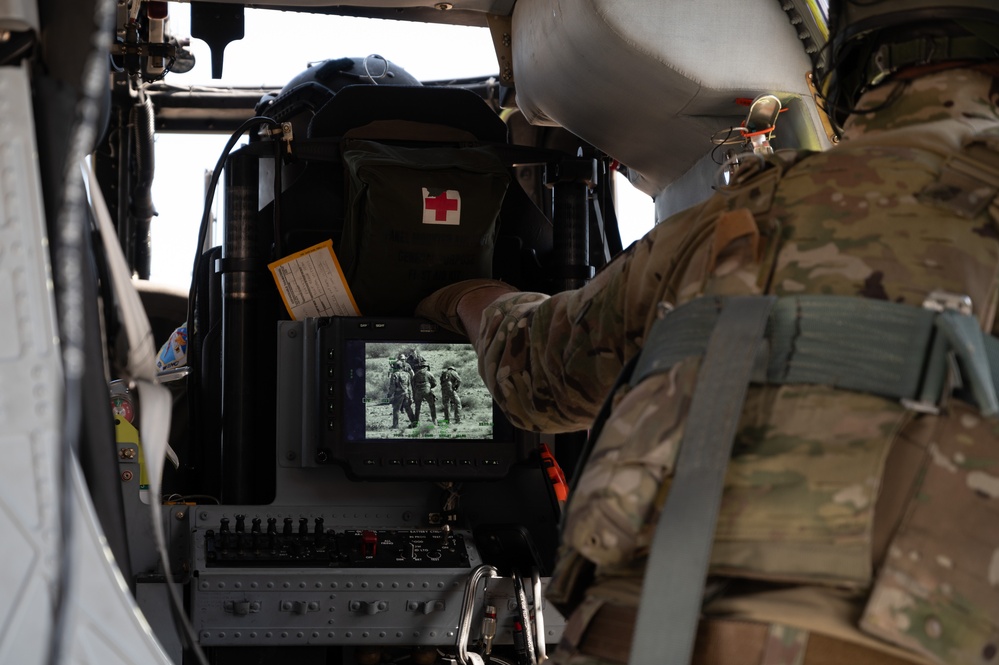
[833,101]
[186,633]
[188,639]
[17,47]
[193,334]
[724,142]
[206,220]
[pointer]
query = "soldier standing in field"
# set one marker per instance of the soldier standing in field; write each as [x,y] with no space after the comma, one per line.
[854,521]
[450,383]
[400,393]
[423,391]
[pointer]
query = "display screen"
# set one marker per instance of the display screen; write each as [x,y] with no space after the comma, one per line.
[411,390]
[402,398]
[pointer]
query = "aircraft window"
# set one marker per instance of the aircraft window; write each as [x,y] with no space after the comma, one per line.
[183,167]
[635,210]
[278,45]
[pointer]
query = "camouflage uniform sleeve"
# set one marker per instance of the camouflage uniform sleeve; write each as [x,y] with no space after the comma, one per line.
[549,361]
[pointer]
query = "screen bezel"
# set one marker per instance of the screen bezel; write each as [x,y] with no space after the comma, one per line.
[344,345]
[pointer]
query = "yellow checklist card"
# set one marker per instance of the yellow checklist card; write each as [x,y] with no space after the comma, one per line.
[312,284]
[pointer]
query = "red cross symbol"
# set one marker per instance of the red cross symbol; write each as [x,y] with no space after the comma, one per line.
[441,205]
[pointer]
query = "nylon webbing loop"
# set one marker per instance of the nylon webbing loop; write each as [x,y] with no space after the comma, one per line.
[681,547]
[968,342]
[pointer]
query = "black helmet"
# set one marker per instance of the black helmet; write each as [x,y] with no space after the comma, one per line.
[869,40]
[309,90]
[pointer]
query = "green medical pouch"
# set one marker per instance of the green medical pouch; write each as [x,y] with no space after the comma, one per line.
[418,218]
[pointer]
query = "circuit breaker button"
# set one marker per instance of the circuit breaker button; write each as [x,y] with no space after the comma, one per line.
[369,543]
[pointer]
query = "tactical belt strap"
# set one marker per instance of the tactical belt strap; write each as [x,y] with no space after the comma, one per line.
[681,547]
[873,346]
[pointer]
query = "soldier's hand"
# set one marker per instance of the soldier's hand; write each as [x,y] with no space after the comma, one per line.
[441,306]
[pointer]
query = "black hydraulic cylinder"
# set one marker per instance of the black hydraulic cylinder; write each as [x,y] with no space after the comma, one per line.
[570,181]
[242,267]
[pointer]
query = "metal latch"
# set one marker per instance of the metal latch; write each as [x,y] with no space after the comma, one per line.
[939,301]
[241,607]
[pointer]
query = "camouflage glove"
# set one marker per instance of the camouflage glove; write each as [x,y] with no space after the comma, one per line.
[441,306]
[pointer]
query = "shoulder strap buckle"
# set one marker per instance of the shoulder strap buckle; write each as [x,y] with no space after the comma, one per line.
[957,356]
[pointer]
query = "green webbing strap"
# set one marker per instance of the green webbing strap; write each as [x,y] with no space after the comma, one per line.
[681,547]
[873,346]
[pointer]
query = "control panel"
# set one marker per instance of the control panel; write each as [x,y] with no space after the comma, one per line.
[318,547]
[290,576]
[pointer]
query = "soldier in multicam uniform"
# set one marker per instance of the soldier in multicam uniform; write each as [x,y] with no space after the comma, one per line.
[450,383]
[401,392]
[854,527]
[423,391]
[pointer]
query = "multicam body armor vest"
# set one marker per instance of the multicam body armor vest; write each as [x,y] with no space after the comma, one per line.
[826,487]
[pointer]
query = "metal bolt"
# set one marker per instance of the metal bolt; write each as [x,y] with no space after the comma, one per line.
[444,6]
[126,453]
[292,333]
[4,36]
[290,455]
[126,476]
[507,40]
[179,515]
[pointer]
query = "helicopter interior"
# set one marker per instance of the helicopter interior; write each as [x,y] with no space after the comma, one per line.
[302,513]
